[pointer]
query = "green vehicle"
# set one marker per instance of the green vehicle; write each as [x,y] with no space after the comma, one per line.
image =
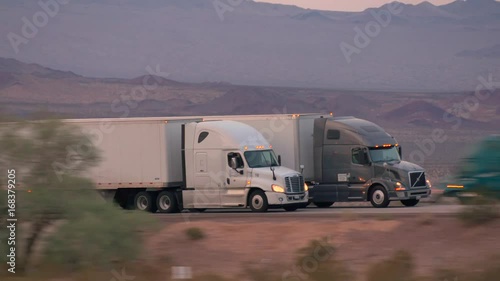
[479,173]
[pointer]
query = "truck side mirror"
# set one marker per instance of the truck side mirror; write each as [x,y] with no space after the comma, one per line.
[400,151]
[279,160]
[234,163]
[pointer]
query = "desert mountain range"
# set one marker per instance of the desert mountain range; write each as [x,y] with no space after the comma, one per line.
[422,48]
[27,88]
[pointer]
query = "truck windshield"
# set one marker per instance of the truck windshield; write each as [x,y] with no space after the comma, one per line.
[384,154]
[261,158]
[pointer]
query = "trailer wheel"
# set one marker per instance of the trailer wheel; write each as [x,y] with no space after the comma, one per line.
[144,201]
[166,202]
[258,201]
[379,197]
[410,202]
[323,204]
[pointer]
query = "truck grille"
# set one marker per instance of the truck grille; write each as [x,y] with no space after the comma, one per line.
[417,179]
[294,184]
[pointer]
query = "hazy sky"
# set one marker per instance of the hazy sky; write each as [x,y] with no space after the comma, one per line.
[347,5]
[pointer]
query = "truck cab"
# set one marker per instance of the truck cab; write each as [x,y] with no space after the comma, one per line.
[478,174]
[356,160]
[228,164]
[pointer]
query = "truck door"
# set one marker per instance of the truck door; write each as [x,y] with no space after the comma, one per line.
[233,188]
[206,193]
[361,171]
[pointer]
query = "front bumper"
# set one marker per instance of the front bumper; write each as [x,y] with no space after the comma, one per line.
[410,194]
[280,199]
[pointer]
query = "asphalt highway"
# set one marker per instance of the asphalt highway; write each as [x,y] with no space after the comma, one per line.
[336,211]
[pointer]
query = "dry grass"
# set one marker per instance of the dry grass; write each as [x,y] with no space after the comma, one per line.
[399,267]
[195,233]
[480,211]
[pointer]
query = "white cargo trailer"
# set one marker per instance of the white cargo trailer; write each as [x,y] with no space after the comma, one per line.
[168,164]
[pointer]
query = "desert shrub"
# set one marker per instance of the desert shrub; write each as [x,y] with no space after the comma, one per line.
[488,271]
[399,267]
[195,233]
[318,262]
[481,211]
[51,158]
[491,273]
[101,235]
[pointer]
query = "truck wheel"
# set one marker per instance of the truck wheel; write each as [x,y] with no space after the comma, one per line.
[166,202]
[379,197]
[258,201]
[290,208]
[323,204]
[410,202]
[144,201]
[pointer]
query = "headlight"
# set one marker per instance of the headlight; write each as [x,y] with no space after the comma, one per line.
[400,186]
[428,183]
[306,188]
[277,188]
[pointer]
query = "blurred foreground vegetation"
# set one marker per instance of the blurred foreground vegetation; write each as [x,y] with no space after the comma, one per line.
[62,220]
[401,266]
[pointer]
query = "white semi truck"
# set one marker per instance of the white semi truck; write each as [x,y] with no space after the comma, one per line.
[170,164]
[343,159]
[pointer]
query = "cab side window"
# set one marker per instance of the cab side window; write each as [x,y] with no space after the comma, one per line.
[359,156]
[238,158]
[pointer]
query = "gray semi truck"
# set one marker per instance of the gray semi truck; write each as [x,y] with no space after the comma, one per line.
[342,159]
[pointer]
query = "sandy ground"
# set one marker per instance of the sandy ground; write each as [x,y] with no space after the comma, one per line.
[229,247]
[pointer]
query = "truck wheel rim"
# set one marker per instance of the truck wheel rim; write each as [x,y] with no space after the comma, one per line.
[142,203]
[164,202]
[257,202]
[378,197]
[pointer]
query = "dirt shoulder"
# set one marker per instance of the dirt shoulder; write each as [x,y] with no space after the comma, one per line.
[229,247]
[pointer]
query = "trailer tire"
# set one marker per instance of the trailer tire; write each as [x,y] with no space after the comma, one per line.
[144,201]
[379,197]
[258,201]
[410,202]
[166,202]
[323,204]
